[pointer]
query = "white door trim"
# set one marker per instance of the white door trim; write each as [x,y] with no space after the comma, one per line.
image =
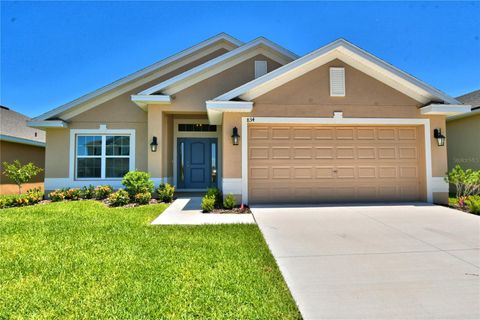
[191,134]
[340,121]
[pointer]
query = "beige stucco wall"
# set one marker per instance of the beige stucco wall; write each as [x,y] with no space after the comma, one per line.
[190,103]
[463,138]
[10,152]
[309,96]
[117,113]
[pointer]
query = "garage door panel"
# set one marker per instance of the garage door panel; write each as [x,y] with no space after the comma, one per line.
[302,133]
[303,152]
[335,163]
[259,153]
[344,133]
[324,133]
[280,153]
[281,173]
[281,133]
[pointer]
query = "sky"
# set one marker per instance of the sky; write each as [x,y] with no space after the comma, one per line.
[54,52]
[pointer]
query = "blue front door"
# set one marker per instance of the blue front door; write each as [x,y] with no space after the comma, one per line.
[197,163]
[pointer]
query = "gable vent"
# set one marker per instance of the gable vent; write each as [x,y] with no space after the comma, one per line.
[260,68]
[337,82]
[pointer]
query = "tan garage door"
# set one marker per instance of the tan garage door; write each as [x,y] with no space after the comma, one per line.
[335,163]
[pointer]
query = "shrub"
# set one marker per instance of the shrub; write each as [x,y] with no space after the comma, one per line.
[7,201]
[473,204]
[208,203]
[35,195]
[102,192]
[467,182]
[143,198]
[73,194]
[18,200]
[165,192]
[217,195]
[119,198]
[87,192]
[230,202]
[137,182]
[57,195]
[20,174]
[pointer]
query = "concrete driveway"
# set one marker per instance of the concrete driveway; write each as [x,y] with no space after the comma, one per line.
[377,262]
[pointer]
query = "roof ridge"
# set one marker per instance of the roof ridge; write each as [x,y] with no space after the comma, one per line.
[137,74]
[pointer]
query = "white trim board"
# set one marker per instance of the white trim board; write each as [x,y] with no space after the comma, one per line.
[225,61]
[445,109]
[34,143]
[195,134]
[432,183]
[350,54]
[142,76]
[102,130]
[215,109]
[47,124]
[144,100]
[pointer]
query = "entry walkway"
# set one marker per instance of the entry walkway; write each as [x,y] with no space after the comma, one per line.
[187,211]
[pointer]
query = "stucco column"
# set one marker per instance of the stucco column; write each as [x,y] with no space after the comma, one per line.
[155,129]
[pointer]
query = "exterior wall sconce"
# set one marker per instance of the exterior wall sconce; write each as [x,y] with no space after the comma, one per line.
[235,136]
[437,134]
[154,144]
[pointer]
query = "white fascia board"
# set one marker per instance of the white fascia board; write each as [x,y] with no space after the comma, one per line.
[338,49]
[143,74]
[445,109]
[215,109]
[4,137]
[473,112]
[199,73]
[143,100]
[47,124]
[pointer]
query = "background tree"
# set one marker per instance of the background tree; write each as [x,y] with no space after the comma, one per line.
[20,174]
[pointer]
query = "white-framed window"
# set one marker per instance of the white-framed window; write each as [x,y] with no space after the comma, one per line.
[102,154]
[337,82]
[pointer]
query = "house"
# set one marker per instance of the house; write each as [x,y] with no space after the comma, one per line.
[258,121]
[464,134]
[20,142]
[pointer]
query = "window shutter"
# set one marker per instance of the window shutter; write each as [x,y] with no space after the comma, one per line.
[337,82]
[260,68]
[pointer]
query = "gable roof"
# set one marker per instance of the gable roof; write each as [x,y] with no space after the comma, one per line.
[352,55]
[13,128]
[142,76]
[471,98]
[212,67]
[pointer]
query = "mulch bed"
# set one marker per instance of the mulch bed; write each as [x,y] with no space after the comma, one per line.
[232,211]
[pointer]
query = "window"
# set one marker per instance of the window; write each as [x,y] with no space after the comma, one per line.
[197,127]
[260,68]
[337,82]
[102,156]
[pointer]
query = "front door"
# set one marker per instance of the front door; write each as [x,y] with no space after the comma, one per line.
[197,163]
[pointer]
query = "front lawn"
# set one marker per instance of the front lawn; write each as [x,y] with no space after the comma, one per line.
[83,260]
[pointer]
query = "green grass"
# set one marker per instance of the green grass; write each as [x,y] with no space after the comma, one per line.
[83,260]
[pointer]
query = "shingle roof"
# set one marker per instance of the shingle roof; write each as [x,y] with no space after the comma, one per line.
[14,124]
[472,98]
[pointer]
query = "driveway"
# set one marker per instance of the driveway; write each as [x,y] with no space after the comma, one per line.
[377,262]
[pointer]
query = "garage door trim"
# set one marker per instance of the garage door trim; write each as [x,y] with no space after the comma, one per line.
[338,120]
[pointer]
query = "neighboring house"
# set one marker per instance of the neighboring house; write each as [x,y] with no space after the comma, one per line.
[256,120]
[20,142]
[464,134]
